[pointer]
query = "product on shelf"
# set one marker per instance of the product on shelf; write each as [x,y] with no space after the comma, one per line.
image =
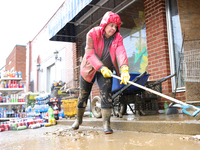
[13,98]
[11,74]
[11,84]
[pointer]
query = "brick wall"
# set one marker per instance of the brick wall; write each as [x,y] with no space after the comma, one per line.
[18,60]
[76,61]
[157,46]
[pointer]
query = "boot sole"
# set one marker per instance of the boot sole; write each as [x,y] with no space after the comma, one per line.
[108,132]
[75,128]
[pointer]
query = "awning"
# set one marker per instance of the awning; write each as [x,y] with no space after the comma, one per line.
[65,14]
[76,17]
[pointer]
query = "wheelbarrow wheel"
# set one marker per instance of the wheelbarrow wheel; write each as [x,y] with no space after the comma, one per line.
[96,107]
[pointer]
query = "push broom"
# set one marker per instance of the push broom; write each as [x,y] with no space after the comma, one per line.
[187,109]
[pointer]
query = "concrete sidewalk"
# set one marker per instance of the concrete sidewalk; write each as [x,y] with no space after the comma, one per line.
[161,123]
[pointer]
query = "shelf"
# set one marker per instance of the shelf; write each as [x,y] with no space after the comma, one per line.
[10,90]
[3,79]
[6,104]
[4,119]
[7,119]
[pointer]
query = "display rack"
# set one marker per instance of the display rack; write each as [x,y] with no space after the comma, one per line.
[9,91]
[7,104]
[3,79]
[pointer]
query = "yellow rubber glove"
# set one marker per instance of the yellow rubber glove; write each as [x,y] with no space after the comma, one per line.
[106,72]
[124,74]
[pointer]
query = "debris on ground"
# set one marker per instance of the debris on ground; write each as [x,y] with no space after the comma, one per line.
[71,133]
[195,138]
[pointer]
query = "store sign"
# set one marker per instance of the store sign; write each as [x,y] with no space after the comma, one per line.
[65,14]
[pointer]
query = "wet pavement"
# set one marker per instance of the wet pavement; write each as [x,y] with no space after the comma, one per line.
[161,123]
[134,132]
[89,138]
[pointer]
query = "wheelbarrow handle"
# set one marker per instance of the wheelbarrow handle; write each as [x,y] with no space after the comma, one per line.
[162,80]
[136,79]
[155,92]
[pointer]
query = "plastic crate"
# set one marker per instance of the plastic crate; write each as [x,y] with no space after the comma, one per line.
[147,106]
[158,88]
[70,107]
[58,93]
[32,96]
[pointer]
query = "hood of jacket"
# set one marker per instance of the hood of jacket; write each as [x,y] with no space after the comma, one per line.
[110,17]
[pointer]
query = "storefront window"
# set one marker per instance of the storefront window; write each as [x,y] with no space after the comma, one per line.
[133,30]
[175,42]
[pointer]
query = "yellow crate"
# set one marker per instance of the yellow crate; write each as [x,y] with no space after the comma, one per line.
[58,92]
[70,107]
[32,97]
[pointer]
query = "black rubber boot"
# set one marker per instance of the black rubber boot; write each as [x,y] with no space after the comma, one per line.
[78,121]
[106,113]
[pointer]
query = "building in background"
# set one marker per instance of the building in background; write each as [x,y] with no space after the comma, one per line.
[152,32]
[44,67]
[16,61]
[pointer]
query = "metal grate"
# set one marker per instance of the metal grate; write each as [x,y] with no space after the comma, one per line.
[190,66]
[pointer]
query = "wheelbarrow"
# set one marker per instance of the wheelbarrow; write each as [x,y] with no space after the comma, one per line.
[124,95]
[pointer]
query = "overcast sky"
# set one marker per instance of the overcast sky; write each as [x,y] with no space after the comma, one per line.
[21,21]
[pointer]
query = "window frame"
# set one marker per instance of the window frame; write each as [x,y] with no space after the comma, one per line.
[171,48]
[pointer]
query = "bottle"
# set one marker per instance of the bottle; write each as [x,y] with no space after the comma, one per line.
[91,115]
[10,73]
[13,74]
[56,112]
[16,98]
[2,114]
[5,113]
[165,106]
[50,113]
[1,100]
[2,84]
[19,74]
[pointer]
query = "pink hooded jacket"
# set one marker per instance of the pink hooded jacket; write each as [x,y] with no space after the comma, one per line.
[95,44]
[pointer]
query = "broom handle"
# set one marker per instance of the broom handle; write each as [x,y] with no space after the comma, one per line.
[155,92]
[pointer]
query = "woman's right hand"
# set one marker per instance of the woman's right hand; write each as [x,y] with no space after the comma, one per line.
[106,72]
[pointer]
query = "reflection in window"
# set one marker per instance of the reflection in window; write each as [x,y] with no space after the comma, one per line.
[177,39]
[133,30]
[135,45]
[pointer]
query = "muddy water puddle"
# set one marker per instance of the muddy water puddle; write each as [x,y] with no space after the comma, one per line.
[92,138]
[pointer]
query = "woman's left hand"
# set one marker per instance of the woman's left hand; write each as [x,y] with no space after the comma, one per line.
[125,74]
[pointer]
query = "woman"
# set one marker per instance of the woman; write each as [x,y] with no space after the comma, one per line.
[103,52]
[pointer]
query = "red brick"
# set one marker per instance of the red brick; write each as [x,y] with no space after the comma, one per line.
[18,60]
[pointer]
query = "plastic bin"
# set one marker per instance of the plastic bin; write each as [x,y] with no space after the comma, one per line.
[70,107]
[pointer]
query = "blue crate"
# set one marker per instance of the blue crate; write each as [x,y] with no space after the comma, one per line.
[117,86]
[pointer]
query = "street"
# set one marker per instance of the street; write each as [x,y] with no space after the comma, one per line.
[90,138]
